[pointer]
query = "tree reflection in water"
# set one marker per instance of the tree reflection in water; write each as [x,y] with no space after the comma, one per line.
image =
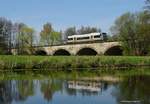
[133,88]
[20,90]
[25,89]
[15,90]
[49,87]
[5,92]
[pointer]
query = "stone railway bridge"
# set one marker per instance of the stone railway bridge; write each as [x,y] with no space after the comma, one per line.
[106,48]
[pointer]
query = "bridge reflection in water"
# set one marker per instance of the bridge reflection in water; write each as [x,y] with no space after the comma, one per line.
[85,85]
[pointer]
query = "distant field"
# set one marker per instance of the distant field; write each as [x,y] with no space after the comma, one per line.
[71,62]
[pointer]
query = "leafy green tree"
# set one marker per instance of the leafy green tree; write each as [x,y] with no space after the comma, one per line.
[26,39]
[143,33]
[46,34]
[124,28]
[49,36]
[133,30]
[55,37]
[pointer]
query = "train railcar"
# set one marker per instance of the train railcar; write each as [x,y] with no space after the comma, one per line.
[86,38]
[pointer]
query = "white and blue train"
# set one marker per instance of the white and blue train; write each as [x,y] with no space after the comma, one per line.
[91,37]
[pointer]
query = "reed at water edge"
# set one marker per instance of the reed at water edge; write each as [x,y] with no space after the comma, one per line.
[72,62]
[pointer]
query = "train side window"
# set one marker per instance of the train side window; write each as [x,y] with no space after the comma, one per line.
[82,38]
[70,38]
[97,36]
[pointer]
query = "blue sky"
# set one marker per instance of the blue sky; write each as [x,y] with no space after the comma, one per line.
[66,13]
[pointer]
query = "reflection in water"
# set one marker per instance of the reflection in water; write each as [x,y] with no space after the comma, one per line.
[84,85]
[5,92]
[88,87]
[15,90]
[25,89]
[49,87]
[135,88]
[75,91]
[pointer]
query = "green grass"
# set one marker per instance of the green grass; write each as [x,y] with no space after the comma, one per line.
[14,63]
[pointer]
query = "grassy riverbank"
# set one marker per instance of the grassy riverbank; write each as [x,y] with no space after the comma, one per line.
[71,62]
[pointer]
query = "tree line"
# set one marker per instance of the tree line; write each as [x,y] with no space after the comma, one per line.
[23,38]
[133,30]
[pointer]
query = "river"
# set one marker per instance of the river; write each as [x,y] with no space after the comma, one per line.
[133,89]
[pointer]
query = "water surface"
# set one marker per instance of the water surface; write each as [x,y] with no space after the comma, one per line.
[81,91]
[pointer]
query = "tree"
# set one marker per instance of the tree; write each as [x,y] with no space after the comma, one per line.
[16,30]
[70,31]
[133,30]
[45,34]
[55,37]
[26,38]
[143,32]
[49,36]
[5,36]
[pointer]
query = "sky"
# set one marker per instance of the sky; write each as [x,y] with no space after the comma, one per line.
[66,13]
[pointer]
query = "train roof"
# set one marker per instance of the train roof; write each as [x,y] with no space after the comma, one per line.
[84,35]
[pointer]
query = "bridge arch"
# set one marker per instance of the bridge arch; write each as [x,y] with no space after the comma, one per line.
[114,51]
[41,52]
[87,51]
[61,52]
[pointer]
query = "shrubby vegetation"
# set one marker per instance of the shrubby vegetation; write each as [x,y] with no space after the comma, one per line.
[72,63]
